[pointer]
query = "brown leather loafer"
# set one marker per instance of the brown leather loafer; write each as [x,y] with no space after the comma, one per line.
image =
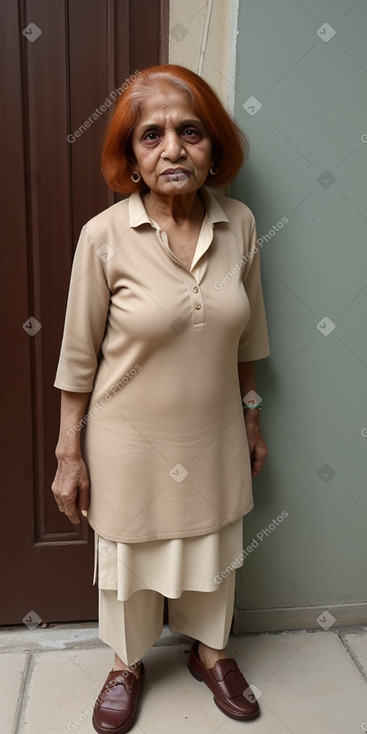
[227,683]
[115,708]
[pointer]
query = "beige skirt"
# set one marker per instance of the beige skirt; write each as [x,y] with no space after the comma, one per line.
[168,566]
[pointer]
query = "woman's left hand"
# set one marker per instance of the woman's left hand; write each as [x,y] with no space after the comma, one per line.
[257,446]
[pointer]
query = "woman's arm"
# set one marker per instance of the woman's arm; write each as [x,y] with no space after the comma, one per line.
[71,483]
[257,445]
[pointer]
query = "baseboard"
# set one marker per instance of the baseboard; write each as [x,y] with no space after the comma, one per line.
[280,619]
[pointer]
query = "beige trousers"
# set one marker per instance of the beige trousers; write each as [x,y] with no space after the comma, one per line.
[131,627]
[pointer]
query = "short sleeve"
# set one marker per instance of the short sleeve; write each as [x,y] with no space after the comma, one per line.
[254,341]
[85,319]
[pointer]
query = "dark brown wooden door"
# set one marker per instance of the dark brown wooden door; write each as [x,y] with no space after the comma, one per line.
[61,63]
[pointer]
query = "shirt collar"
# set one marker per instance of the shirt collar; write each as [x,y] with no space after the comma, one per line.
[138,214]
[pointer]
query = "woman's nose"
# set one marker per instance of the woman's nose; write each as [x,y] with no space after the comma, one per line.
[172,146]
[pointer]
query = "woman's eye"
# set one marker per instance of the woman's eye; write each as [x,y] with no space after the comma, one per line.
[191,133]
[151,136]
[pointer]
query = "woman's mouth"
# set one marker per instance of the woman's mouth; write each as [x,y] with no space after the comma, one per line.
[176,174]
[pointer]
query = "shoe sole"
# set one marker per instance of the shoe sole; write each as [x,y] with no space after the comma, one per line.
[219,704]
[122,730]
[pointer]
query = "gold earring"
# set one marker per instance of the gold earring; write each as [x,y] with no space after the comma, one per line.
[136,177]
[213,170]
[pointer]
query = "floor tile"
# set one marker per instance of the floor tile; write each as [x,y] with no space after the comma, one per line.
[12,668]
[358,643]
[62,691]
[307,683]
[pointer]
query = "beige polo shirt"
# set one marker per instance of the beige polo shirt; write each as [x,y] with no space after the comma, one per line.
[158,346]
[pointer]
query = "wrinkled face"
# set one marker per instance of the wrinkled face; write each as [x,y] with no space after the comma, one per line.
[171,144]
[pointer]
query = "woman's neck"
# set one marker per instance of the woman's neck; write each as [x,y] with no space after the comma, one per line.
[180,208]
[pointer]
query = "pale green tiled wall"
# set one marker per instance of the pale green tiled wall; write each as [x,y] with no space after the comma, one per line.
[313,120]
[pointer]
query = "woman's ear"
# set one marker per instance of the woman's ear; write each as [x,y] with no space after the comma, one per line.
[132,165]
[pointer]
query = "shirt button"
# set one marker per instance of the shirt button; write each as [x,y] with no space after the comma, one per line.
[197,306]
[196,289]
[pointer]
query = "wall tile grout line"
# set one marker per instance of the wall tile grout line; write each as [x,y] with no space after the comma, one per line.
[352,655]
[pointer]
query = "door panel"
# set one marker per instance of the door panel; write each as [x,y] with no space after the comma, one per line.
[60,61]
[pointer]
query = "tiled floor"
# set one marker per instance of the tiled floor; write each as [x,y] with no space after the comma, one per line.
[309,682]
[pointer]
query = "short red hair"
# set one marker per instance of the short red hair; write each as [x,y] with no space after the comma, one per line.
[230,147]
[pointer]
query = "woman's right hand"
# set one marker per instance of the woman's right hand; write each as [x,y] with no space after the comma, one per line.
[71,486]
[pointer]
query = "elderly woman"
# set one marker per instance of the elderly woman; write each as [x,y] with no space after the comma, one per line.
[164,320]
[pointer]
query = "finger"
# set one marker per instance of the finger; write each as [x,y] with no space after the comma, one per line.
[257,464]
[59,505]
[255,469]
[75,519]
[83,496]
[72,513]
